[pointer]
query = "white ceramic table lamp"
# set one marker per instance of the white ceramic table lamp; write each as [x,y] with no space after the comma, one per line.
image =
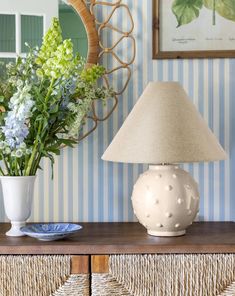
[163,129]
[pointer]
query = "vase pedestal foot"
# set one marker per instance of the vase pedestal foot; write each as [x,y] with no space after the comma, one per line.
[15,229]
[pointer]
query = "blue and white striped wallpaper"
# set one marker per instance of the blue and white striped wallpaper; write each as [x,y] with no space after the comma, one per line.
[85,188]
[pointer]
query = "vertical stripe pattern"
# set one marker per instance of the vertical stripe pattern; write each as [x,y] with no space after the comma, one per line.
[85,188]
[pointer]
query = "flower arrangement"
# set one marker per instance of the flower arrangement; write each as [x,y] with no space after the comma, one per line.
[43,103]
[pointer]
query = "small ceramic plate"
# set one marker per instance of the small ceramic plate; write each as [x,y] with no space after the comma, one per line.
[50,231]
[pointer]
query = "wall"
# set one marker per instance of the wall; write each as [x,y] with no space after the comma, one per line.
[87,189]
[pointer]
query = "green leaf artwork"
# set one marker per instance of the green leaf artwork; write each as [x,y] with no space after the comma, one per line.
[225,8]
[186,11]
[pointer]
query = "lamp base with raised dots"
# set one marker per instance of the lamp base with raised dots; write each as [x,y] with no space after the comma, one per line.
[165,200]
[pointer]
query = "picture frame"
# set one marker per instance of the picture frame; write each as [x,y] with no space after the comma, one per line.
[209,33]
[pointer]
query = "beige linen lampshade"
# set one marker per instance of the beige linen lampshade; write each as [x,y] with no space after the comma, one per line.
[164,127]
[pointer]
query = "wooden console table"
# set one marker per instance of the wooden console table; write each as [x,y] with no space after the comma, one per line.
[122,259]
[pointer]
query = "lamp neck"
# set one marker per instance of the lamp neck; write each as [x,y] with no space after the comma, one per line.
[162,167]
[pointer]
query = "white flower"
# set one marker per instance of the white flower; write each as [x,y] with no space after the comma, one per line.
[19,83]
[7,150]
[19,153]
[2,145]
[28,151]
[72,107]
[68,51]
[23,145]
[53,74]
[55,92]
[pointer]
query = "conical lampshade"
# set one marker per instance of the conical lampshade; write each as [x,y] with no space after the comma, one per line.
[164,127]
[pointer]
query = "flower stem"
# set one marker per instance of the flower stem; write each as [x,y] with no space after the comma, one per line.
[34,152]
[36,164]
[50,89]
[214,22]
[1,172]
[6,165]
[16,167]
[29,169]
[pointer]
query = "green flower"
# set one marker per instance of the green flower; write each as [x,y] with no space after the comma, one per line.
[91,75]
[62,63]
[51,41]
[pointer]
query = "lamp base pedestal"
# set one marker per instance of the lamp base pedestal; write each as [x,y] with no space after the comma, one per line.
[165,200]
[166,233]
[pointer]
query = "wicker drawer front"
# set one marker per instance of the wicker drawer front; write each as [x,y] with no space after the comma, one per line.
[41,276]
[166,275]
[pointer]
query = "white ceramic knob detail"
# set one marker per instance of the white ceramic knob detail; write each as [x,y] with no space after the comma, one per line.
[180,201]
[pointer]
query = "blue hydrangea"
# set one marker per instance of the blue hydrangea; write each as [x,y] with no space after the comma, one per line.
[16,129]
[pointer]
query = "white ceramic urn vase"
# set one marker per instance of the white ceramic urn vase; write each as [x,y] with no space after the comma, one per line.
[17,196]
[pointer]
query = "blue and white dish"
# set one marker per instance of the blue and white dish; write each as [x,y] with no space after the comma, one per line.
[50,231]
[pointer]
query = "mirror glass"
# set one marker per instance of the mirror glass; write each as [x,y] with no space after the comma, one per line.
[31,31]
[73,28]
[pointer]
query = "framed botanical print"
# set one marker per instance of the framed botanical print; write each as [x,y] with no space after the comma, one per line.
[193,28]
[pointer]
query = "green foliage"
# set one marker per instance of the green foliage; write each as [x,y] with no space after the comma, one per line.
[186,11]
[225,8]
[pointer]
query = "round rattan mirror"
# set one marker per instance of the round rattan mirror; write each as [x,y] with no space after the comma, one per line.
[89,23]
[97,49]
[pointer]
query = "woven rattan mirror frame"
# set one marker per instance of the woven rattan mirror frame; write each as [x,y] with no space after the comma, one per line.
[96,48]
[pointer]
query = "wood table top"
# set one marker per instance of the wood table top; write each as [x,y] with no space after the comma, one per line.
[126,238]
